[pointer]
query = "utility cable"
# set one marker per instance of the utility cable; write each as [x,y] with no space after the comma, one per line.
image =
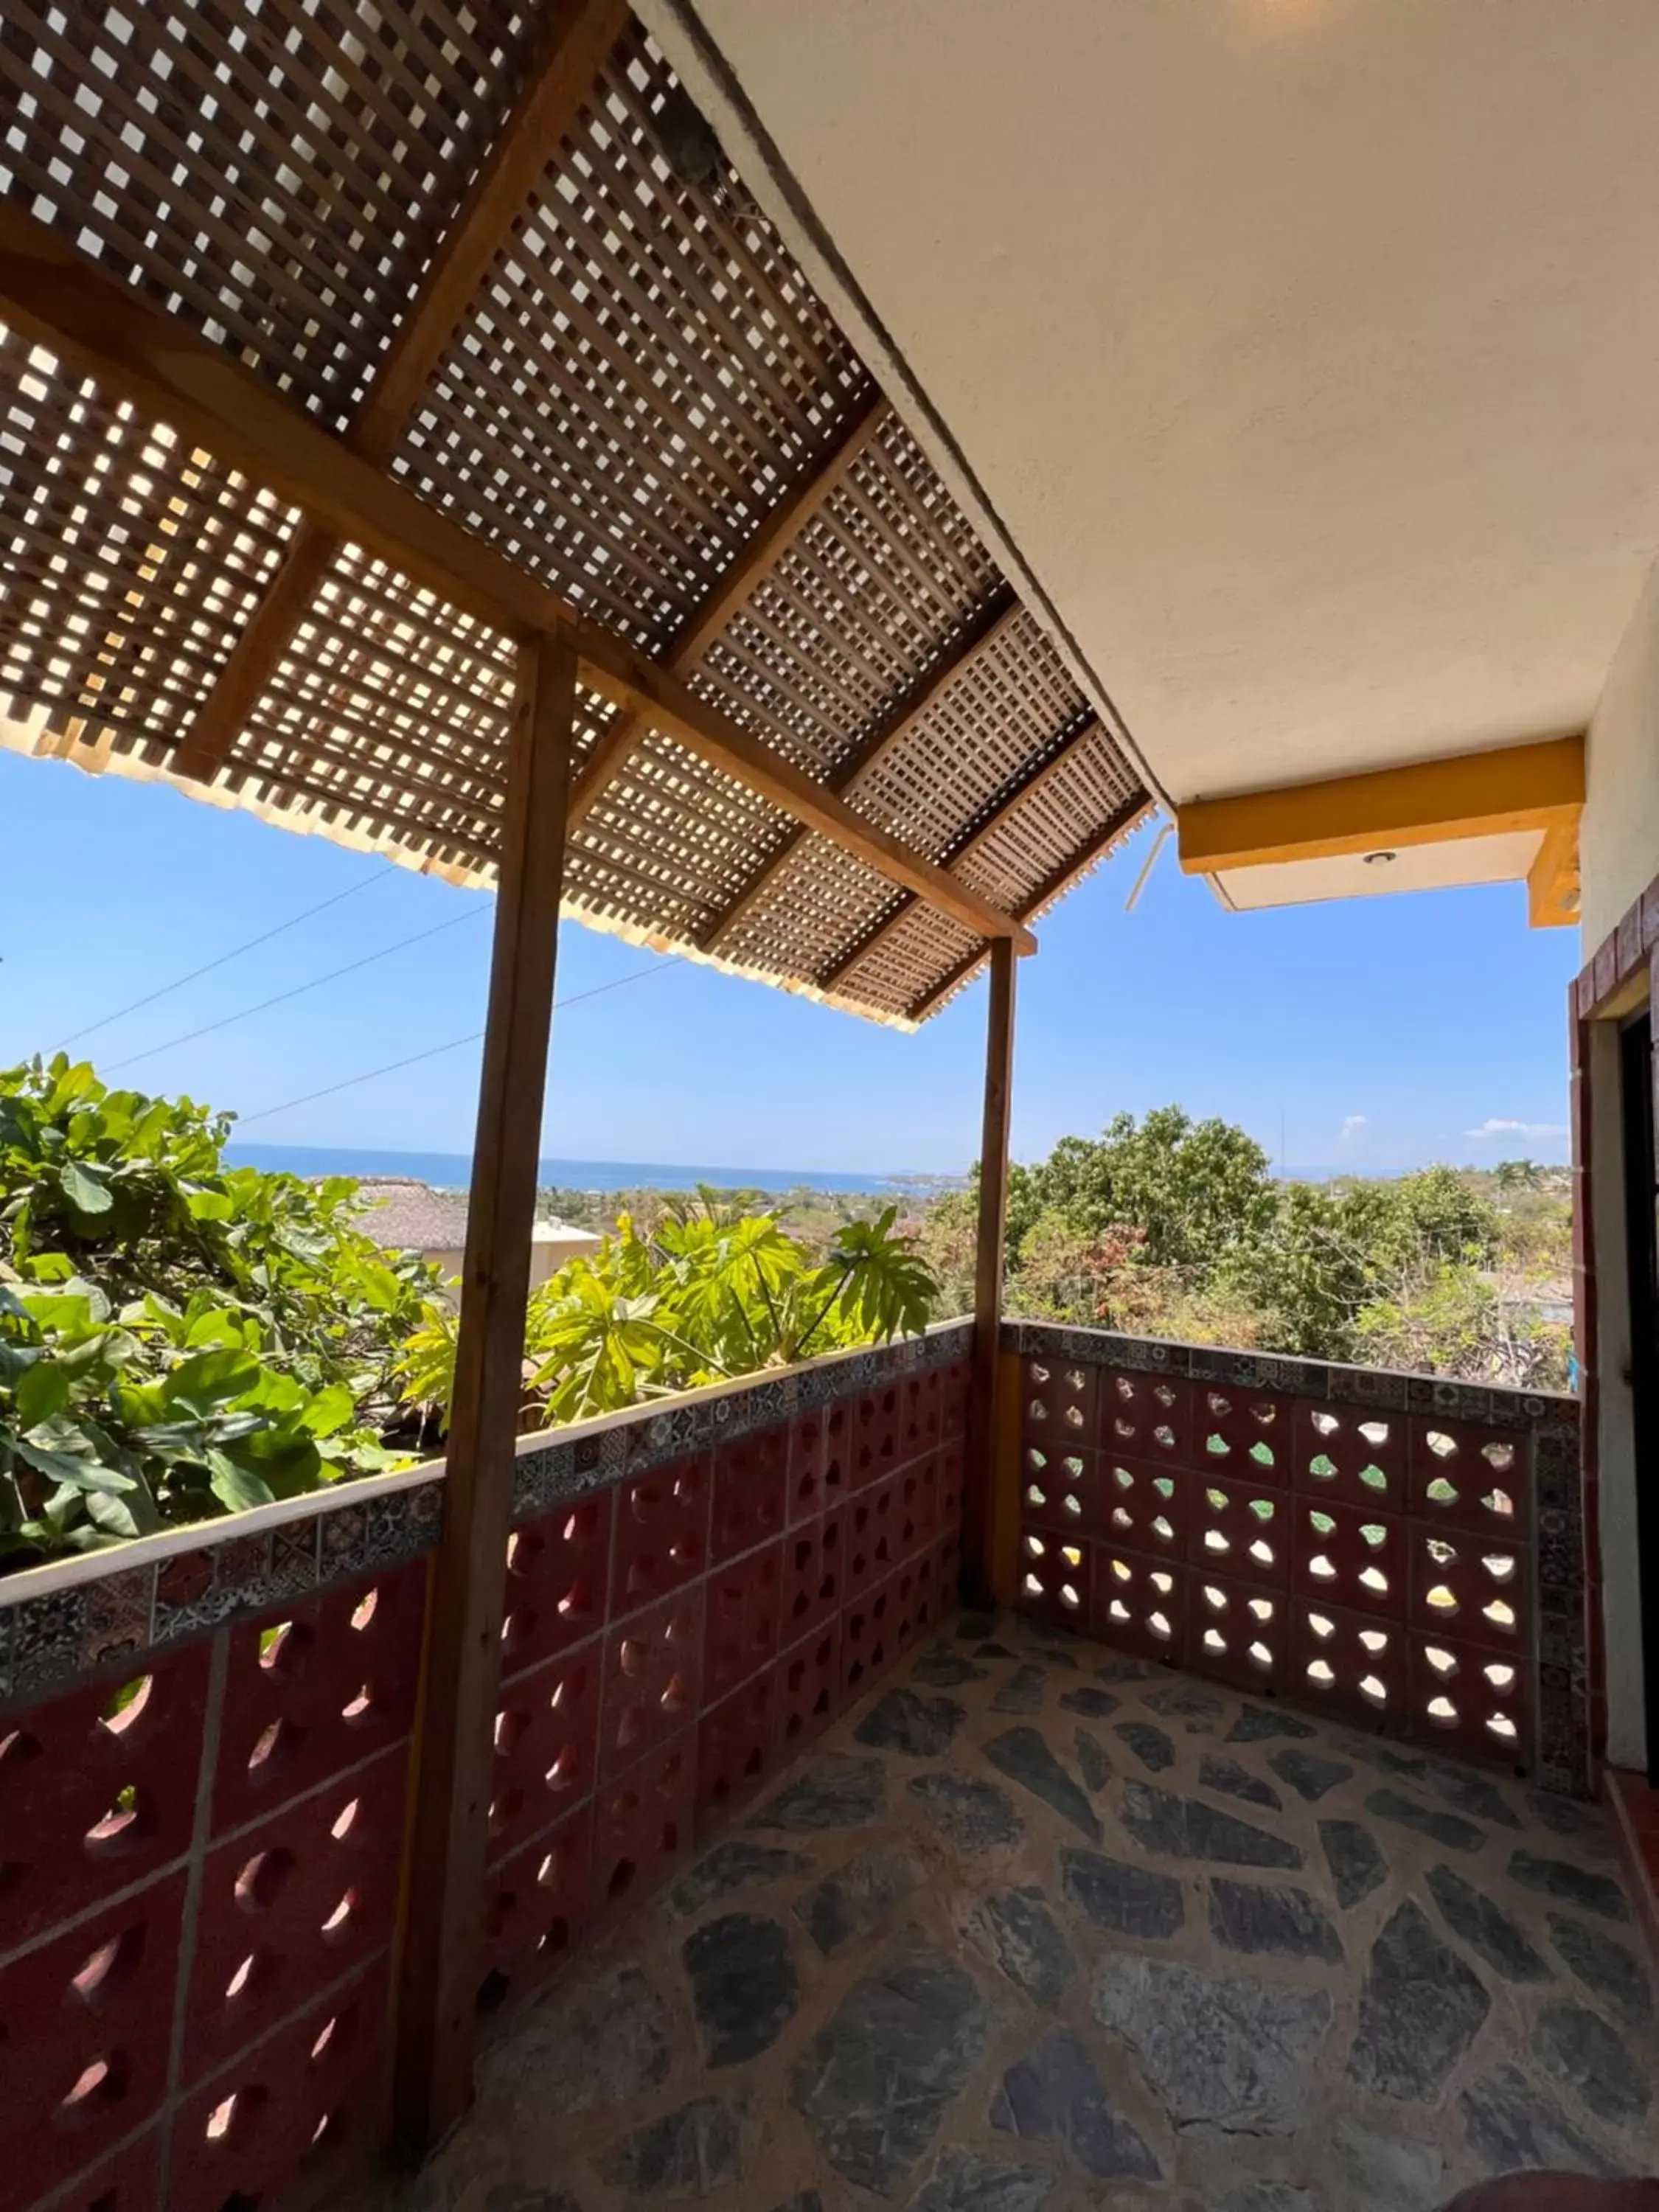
[265,938]
[299,990]
[433,1052]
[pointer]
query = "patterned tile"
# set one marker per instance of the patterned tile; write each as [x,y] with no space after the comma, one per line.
[604,1455]
[819,1386]
[1366,1386]
[1560,1552]
[183,1580]
[117,1615]
[293,1558]
[47,1635]
[426,1508]
[342,1543]
[543,1479]
[241,1572]
[399,1528]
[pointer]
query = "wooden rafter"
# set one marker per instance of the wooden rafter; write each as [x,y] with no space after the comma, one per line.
[778,531]
[1032,780]
[989,623]
[53,294]
[1055,886]
[578,36]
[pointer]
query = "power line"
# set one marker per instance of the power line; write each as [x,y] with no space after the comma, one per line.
[265,938]
[433,1052]
[299,989]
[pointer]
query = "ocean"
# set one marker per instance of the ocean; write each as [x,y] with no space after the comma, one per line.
[453,1171]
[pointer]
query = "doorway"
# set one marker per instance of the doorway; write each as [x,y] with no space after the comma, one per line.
[1642,1253]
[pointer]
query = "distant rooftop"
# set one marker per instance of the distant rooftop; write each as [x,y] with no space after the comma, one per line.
[404,1215]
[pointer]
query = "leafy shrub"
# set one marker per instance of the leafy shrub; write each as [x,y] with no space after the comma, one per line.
[711,1294]
[178,1338]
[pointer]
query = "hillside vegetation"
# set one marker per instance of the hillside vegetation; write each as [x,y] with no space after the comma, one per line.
[1169,1227]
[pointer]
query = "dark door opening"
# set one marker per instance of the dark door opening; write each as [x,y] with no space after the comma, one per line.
[1641,1251]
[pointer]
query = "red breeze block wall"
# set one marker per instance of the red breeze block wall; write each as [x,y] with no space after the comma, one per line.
[201,1842]
[674,1638]
[1389,1548]
[199,1861]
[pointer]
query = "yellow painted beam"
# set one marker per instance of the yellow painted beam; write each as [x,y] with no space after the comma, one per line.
[1553,879]
[1536,787]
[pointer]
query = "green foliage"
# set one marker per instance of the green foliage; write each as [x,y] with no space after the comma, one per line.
[1169,1227]
[710,1294]
[1187,1188]
[178,1338]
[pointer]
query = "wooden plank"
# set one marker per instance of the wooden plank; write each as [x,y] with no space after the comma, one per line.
[578,36]
[777,532]
[979,1514]
[54,295]
[1052,887]
[1023,786]
[1000,613]
[254,659]
[437,2007]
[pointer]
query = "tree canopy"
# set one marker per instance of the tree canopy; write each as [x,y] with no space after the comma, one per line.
[1170,1226]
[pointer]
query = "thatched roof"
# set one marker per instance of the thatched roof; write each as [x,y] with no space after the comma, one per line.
[497,252]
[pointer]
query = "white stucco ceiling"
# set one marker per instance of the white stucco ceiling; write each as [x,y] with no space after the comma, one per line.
[1499,859]
[1307,349]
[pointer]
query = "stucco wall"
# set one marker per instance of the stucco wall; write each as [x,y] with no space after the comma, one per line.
[1618,840]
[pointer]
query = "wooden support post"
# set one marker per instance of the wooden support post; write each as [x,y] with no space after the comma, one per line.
[455,1750]
[982,1512]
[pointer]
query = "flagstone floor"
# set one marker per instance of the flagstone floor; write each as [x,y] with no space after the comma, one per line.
[1037,1926]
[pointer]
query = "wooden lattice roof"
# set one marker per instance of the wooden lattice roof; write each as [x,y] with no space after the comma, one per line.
[493,252]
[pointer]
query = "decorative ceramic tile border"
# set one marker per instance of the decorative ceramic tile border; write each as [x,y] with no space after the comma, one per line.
[72,1616]
[1302,1378]
[590,1457]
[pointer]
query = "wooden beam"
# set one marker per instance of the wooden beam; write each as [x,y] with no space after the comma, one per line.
[1122,823]
[998,614]
[438,2003]
[1486,794]
[679,712]
[1007,800]
[1553,890]
[777,532]
[54,295]
[576,38]
[979,1505]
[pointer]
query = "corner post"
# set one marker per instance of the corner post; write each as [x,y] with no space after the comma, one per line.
[455,1746]
[987,1518]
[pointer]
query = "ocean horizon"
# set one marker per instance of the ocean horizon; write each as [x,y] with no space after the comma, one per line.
[453,1171]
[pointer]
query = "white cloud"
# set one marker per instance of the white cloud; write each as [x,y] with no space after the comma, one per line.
[1353,1126]
[1493,1127]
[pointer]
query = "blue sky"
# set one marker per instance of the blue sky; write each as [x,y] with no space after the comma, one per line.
[1385,1033]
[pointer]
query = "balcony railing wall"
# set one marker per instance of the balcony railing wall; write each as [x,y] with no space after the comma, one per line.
[1402,1551]
[206,1749]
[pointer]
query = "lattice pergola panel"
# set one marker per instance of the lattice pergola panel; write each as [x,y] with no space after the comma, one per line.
[641,402]
[278,176]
